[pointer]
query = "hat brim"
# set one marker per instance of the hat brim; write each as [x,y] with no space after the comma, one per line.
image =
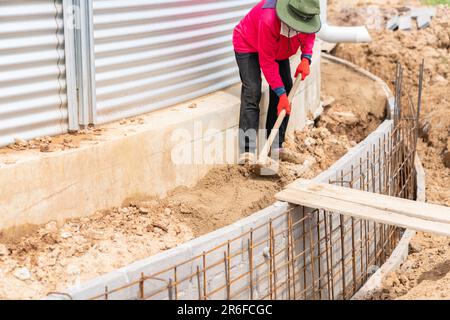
[289,17]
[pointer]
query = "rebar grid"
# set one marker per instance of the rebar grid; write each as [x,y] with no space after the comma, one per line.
[303,253]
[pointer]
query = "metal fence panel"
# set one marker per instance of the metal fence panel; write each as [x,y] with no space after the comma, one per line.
[151,54]
[32,72]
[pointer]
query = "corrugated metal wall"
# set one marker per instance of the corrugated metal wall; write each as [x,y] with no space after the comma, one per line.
[32,73]
[150,54]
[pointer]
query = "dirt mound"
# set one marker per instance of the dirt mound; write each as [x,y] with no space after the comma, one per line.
[52,144]
[371,13]
[433,44]
[241,193]
[321,145]
[426,272]
[358,108]
[425,275]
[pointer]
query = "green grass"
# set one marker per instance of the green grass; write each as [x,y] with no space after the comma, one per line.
[436,2]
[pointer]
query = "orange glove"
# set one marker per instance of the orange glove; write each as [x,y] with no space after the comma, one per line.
[284,104]
[303,69]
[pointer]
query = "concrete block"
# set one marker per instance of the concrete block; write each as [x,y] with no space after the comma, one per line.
[404,23]
[423,11]
[423,21]
[392,23]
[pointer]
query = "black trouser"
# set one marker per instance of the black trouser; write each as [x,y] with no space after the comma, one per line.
[250,73]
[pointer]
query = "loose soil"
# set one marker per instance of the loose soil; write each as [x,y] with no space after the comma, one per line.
[425,274]
[22,150]
[52,144]
[54,258]
[357,110]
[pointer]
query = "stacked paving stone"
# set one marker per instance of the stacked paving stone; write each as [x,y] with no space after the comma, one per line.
[422,15]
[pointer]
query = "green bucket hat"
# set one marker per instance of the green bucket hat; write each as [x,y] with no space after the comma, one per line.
[300,15]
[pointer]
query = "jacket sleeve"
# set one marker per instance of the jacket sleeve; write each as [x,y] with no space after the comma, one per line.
[267,49]
[307,45]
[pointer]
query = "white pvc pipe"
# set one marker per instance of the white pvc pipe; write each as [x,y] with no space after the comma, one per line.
[336,34]
[343,34]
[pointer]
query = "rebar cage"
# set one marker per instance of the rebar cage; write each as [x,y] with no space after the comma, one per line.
[303,253]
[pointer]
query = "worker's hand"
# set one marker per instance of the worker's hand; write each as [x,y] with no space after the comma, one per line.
[303,69]
[284,104]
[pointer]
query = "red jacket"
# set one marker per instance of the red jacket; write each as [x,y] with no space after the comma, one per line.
[260,32]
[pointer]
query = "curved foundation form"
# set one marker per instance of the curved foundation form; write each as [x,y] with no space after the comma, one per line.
[281,252]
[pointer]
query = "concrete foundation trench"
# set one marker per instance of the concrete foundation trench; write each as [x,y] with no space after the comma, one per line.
[225,238]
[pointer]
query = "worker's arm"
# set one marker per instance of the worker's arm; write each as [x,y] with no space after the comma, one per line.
[267,48]
[307,44]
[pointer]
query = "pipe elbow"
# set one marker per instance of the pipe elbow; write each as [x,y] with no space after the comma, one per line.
[344,34]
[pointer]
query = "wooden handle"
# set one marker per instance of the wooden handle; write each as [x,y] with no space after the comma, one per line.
[295,87]
[265,150]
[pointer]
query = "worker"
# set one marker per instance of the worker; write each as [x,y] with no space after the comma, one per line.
[265,39]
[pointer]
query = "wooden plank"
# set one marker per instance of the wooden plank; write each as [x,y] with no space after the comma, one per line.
[360,211]
[422,210]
